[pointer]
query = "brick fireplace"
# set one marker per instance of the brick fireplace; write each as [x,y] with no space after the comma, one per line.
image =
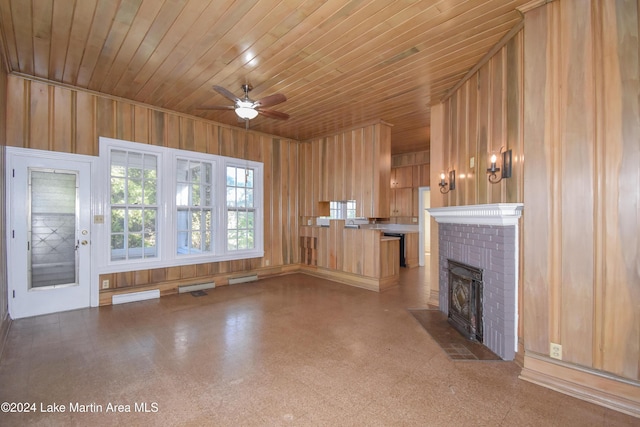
[485,237]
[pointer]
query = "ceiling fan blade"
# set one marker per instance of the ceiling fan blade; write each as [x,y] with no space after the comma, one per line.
[273,114]
[270,100]
[227,94]
[218,107]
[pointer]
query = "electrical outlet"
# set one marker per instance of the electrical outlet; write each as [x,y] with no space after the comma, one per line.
[267,262]
[555,351]
[105,284]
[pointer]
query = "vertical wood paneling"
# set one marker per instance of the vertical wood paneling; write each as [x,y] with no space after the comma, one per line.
[621,293]
[62,113]
[125,119]
[582,224]
[358,172]
[105,123]
[472,174]
[39,107]
[514,108]
[496,119]
[16,88]
[85,123]
[538,186]
[577,172]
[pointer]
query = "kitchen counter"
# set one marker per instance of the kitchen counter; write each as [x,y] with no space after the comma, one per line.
[359,257]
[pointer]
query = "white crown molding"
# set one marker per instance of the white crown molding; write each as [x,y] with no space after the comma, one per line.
[489,214]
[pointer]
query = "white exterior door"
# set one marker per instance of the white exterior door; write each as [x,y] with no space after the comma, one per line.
[49,232]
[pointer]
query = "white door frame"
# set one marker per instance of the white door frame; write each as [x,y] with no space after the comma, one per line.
[422,191]
[92,161]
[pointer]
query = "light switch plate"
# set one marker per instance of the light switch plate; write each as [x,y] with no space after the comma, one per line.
[472,162]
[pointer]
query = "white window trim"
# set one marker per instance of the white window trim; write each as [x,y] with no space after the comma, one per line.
[167,235]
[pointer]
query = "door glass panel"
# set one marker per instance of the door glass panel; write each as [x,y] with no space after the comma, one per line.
[53,228]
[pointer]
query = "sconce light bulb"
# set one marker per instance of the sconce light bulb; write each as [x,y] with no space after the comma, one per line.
[493,158]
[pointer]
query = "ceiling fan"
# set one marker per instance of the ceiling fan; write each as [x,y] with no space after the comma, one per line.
[246,108]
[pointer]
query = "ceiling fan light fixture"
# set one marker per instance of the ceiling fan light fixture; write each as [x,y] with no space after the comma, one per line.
[245,110]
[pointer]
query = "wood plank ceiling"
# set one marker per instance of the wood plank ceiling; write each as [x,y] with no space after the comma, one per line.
[340,63]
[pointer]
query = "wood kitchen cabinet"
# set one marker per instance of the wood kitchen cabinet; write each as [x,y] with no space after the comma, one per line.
[402,202]
[411,249]
[352,165]
[405,183]
[402,177]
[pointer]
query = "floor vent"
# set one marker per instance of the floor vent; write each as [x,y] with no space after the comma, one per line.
[198,287]
[135,296]
[243,279]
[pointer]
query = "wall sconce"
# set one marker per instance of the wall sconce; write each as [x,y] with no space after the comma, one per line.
[451,184]
[506,167]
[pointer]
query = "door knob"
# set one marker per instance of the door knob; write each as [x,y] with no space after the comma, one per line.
[84,243]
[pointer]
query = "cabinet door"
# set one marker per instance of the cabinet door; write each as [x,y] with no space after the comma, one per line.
[404,177]
[402,202]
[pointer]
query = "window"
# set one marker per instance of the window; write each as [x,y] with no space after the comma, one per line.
[240,208]
[194,202]
[167,207]
[343,210]
[134,208]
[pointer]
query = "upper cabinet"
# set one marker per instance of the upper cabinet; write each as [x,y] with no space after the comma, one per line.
[402,177]
[405,181]
[351,165]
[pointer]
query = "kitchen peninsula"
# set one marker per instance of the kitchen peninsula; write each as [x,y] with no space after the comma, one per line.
[361,257]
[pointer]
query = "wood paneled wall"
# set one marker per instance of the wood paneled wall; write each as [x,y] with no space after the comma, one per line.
[582,197]
[481,117]
[50,117]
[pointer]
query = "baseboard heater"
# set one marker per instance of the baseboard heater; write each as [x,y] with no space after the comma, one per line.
[243,279]
[199,287]
[135,296]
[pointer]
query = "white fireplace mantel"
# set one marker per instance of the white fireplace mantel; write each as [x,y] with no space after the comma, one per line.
[488,214]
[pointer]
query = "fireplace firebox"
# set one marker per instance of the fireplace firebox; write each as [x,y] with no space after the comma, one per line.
[465,299]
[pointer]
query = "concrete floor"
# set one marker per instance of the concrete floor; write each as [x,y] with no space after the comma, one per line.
[294,350]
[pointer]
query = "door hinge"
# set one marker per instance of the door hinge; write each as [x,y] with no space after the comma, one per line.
[14,293]
[13,173]
[13,234]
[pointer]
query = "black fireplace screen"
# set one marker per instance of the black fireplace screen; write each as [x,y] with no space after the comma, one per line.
[465,299]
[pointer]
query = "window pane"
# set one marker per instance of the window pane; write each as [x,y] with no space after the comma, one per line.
[232,220]
[231,176]
[117,220]
[52,228]
[182,195]
[135,220]
[150,196]
[117,191]
[196,240]
[182,170]
[195,195]
[207,195]
[134,192]
[195,172]
[231,197]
